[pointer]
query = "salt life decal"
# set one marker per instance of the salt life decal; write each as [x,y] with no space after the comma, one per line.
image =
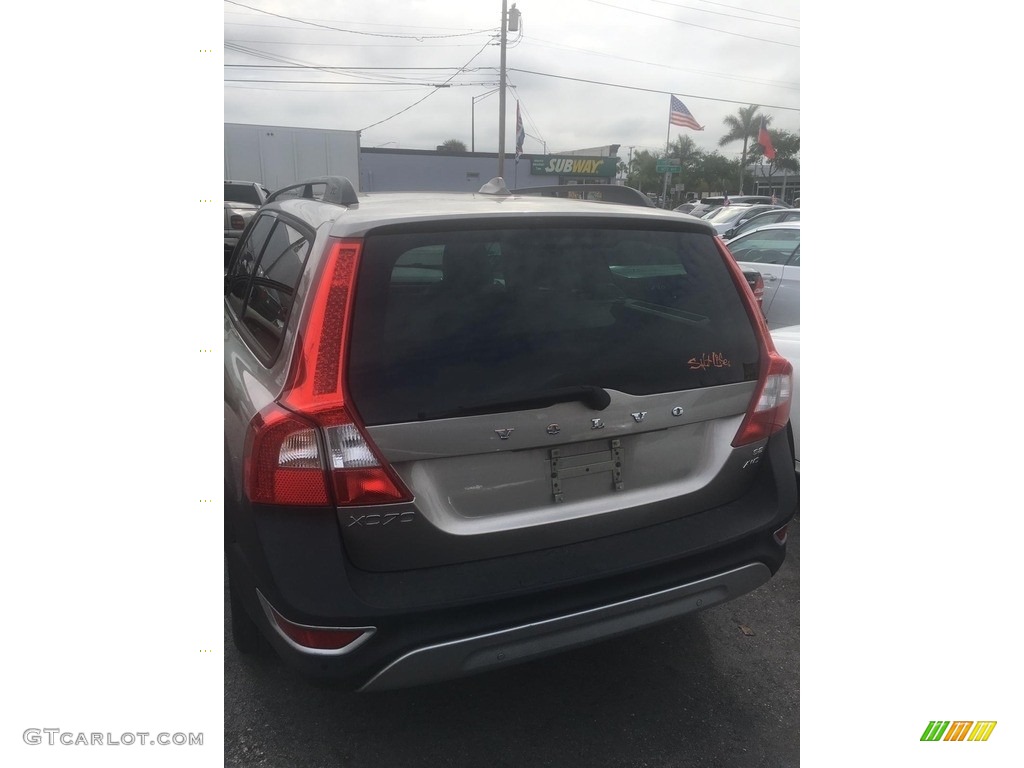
[709,360]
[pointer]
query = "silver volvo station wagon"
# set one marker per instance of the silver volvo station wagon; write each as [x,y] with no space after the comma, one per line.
[463,431]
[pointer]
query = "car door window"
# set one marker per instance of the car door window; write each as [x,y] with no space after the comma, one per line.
[772,246]
[244,265]
[273,287]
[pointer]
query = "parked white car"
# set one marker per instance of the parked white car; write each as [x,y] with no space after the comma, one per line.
[774,251]
[787,342]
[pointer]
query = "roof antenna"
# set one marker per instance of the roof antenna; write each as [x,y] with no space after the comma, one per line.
[495,186]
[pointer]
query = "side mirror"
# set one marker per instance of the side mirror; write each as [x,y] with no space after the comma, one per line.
[729,233]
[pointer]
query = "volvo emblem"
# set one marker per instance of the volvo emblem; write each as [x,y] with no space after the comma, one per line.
[640,416]
[504,433]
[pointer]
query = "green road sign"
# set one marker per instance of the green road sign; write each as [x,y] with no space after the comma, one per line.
[668,166]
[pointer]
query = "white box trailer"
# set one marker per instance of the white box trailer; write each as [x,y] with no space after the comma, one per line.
[276,155]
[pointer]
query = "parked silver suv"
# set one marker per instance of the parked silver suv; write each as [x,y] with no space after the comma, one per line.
[465,431]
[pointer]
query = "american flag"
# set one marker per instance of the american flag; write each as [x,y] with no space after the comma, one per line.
[520,132]
[678,114]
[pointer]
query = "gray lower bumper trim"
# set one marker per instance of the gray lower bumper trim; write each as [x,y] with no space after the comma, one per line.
[529,641]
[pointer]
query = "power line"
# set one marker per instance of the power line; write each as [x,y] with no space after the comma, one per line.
[243,87]
[729,15]
[747,10]
[648,90]
[556,46]
[347,82]
[464,66]
[357,32]
[333,66]
[688,24]
[306,44]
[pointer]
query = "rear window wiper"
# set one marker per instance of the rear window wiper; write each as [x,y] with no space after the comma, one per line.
[593,397]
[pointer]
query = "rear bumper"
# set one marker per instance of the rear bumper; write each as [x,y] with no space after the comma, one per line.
[512,645]
[435,623]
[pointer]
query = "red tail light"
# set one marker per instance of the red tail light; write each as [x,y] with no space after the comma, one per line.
[758,288]
[769,408]
[237,222]
[283,463]
[311,447]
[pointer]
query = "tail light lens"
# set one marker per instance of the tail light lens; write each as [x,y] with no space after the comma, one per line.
[757,285]
[769,408]
[237,222]
[309,447]
[282,460]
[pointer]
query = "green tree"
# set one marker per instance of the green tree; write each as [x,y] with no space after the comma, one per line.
[742,127]
[453,145]
[715,173]
[690,159]
[787,157]
[787,154]
[642,174]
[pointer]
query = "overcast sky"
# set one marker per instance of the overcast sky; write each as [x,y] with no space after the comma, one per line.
[715,56]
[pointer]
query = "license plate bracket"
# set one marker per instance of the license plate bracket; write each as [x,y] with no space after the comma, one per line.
[587,460]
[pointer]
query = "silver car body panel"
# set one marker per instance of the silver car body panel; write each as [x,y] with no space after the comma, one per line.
[478,495]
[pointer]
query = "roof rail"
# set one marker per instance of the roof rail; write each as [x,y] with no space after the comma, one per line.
[337,190]
[608,193]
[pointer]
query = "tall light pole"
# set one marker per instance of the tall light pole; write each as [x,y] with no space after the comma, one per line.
[472,117]
[509,21]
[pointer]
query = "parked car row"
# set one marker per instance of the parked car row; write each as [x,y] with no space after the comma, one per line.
[466,431]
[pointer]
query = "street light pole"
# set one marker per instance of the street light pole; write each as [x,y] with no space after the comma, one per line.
[472,117]
[501,94]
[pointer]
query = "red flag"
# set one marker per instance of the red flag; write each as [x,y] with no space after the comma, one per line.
[765,141]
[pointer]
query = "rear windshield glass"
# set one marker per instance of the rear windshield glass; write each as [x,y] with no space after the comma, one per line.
[447,319]
[242,193]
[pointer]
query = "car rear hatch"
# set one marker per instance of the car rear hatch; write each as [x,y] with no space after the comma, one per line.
[529,385]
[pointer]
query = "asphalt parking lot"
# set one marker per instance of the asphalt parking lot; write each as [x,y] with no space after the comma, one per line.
[719,688]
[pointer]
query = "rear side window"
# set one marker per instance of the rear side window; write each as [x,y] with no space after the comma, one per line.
[770,246]
[241,270]
[263,278]
[242,193]
[448,319]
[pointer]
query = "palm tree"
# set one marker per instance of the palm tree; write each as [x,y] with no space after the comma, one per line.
[743,125]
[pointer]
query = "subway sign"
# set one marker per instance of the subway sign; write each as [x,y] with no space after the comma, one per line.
[553,165]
